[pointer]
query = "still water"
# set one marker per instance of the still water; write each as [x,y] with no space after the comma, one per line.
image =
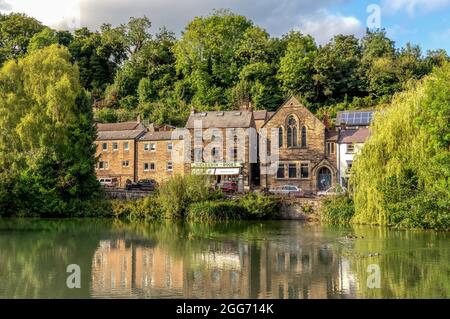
[282,259]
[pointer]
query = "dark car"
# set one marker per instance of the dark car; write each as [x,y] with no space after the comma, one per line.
[143,185]
[229,187]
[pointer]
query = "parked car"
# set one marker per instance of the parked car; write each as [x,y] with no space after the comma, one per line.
[333,191]
[109,182]
[229,187]
[287,190]
[143,185]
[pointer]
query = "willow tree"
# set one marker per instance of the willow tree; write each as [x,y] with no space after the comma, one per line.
[46,137]
[402,175]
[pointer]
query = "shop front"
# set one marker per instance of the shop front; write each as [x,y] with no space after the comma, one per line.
[221,172]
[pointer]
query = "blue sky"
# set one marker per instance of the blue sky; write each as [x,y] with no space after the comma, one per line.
[424,22]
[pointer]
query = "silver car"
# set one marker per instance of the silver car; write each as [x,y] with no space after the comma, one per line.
[287,190]
[333,191]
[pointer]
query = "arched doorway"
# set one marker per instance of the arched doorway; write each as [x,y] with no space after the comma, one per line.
[324,179]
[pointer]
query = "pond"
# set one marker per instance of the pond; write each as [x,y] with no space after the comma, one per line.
[275,259]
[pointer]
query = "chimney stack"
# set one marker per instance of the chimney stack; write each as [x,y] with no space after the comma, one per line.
[139,118]
[326,121]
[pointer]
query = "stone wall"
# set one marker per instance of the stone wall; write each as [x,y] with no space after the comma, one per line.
[301,209]
[313,154]
[115,159]
[160,157]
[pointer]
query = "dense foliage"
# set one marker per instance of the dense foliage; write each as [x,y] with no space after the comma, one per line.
[402,175]
[46,141]
[337,210]
[221,61]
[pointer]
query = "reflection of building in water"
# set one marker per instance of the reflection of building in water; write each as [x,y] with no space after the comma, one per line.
[125,269]
[233,269]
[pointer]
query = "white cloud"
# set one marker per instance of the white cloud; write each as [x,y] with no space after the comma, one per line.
[411,6]
[324,25]
[277,16]
[4,6]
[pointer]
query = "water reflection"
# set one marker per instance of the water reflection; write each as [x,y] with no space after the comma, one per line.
[240,260]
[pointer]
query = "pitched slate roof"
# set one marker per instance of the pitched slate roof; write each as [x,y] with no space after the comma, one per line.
[260,115]
[119,135]
[122,126]
[354,136]
[162,136]
[331,136]
[221,119]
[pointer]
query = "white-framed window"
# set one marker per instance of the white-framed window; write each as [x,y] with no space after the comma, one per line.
[126,146]
[169,166]
[350,148]
[169,147]
[126,163]
[104,147]
[115,146]
[149,167]
[150,147]
[102,165]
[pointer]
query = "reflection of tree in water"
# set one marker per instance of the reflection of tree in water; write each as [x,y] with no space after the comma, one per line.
[34,255]
[413,264]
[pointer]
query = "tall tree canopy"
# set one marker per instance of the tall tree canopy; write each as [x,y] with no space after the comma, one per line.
[46,142]
[16,31]
[402,175]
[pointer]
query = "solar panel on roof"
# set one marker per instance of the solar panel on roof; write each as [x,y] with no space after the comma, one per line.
[355,117]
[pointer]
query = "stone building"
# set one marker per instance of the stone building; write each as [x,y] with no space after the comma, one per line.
[220,146]
[156,155]
[303,157]
[116,150]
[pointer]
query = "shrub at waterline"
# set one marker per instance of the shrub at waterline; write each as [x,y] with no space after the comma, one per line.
[177,194]
[190,198]
[133,210]
[337,210]
[402,175]
[250,207]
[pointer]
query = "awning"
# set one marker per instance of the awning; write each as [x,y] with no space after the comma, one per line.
[198,171]
[227,171]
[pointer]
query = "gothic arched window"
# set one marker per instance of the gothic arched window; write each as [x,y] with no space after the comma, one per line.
[291,131]
[280,137]
[304,144]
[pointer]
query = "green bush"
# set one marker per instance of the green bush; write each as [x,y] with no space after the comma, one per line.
[142,209]
[337,210]
[178,193]
[259,206]
[252,206]
[216,211]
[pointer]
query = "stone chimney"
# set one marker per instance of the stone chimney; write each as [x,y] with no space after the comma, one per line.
[192,109]
[138,118]
[326,121]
